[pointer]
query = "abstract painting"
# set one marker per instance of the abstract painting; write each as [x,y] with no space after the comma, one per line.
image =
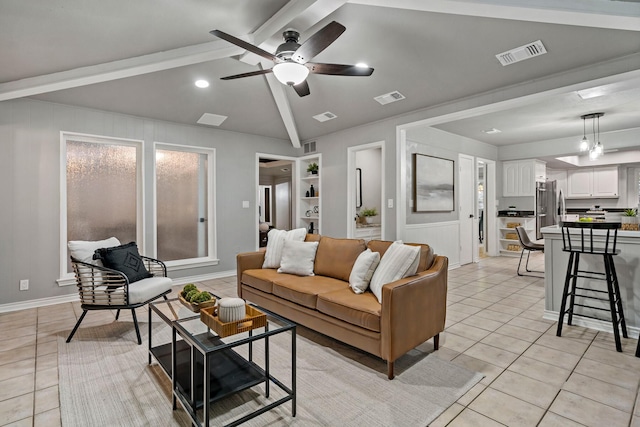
[432,184]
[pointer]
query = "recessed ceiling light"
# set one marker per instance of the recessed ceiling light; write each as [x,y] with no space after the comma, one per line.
[492,131]
[202,84]
[362,65]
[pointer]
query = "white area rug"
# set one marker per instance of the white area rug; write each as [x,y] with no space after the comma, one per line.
[105,381]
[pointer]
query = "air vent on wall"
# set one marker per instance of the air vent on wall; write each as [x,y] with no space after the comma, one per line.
[521,53]
[309,147]
[327,115]
[390,97]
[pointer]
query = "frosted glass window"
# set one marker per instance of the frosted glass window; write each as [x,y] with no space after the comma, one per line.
[182,201]
[101,191]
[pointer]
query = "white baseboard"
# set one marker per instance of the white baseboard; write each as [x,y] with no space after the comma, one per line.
[35,303]
[42,302]
[599,325]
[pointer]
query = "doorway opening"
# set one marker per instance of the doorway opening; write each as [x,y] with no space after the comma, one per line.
[274,199]
[365,191]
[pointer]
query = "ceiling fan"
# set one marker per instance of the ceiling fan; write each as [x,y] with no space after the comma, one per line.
[291,59]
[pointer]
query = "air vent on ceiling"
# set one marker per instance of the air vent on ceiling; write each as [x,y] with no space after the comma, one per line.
[327,115]
[309,147]
[390,97]
[521,53]
[211,119]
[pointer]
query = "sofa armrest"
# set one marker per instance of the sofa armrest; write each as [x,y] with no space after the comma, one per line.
[248,261]
[413,309]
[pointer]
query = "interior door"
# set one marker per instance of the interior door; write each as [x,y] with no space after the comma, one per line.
[466,198]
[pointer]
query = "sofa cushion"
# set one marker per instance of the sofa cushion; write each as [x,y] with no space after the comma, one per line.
[304,290]
[298,257]
[275,243]
[360,310]
[426,254]
[335,257]
[363,270]
[260,278]
[399,261]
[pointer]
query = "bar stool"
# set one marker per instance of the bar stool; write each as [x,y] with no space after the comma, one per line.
[578,238]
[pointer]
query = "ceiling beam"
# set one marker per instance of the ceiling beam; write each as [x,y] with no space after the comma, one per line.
[284,108]
[273,25]
[597,13]
[118,69]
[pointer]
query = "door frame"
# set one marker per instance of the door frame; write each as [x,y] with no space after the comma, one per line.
[351,185]
[256,202]
[490,209]
[470,206]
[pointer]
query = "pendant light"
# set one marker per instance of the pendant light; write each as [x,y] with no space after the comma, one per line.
[597,149]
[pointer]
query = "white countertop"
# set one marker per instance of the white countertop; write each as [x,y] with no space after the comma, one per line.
[554,230]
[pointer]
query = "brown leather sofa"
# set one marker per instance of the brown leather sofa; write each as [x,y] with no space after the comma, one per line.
[413,309]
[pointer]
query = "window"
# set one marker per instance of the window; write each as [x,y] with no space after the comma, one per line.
[101,187]
[102,196]
[184,204]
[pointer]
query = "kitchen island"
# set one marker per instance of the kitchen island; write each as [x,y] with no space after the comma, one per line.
[627,265]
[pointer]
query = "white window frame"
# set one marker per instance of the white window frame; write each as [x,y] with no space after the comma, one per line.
[211,216]
[67,277]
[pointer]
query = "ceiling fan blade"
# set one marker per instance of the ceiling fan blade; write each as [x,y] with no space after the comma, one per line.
[302,89]
[318,42]
[243,44]
[249,74]
[339,69]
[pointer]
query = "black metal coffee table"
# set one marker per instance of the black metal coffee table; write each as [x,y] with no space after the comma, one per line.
[229,370]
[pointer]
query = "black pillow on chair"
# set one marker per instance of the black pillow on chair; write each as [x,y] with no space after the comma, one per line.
[124,258]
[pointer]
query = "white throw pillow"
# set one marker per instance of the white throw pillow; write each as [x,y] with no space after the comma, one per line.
[398,261]
[298,257]
[275,241]
[362,270]
[84,250]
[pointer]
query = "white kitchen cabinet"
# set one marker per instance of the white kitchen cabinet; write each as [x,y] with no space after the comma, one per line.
[519,177]
[587,183]
[605,182]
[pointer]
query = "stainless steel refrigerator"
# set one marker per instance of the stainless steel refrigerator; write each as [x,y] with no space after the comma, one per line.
[545,205]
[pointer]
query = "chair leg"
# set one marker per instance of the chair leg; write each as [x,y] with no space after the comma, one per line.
[565,292]
[574,283]
[520,262]
[135,323]
[117,314]
[612,304]
[436,341]
[616,289]
[75,328]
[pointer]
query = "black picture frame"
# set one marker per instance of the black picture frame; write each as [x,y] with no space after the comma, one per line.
[433,184]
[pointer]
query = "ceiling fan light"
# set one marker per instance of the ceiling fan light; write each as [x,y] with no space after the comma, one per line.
[290,73]
[584,144]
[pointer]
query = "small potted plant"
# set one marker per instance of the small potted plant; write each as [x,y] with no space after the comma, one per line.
[368,214]
[312,169]
[630,219]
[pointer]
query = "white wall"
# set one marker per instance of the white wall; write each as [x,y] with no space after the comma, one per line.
[30,187]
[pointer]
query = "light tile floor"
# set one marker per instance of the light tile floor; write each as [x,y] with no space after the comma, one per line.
[494,326]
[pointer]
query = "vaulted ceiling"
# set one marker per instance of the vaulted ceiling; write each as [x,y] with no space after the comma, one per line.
[142,58]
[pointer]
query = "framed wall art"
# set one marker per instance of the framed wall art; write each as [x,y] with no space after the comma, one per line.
[432,184]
